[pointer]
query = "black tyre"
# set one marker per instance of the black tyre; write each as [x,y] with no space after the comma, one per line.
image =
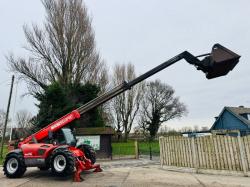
[62,162]
[89,152]
[14,165]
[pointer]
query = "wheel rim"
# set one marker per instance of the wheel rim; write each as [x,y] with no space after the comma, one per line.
[12,165]
[59,163]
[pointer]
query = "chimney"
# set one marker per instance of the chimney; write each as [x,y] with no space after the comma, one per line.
[216,118]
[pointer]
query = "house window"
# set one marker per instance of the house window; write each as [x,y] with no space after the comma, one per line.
[248,116]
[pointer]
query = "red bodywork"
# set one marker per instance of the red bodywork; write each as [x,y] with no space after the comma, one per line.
[41,150]
[53,127]
[32,150]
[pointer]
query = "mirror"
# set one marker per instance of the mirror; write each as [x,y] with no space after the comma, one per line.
[50,135]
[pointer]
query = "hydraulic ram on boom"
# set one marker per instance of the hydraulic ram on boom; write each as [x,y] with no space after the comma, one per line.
[217,63]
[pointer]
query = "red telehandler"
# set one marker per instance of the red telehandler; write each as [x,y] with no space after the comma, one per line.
[54,147]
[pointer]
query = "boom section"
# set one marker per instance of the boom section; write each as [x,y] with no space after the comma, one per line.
[75,114]
[127,85]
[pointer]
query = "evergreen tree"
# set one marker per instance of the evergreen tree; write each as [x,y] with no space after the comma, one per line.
[56,101]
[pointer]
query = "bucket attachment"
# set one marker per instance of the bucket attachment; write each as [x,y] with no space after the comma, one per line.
[219,62]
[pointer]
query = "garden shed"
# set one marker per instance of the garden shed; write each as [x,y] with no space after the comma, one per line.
[99,138]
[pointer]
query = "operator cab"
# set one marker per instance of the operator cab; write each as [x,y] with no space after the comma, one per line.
[64,137]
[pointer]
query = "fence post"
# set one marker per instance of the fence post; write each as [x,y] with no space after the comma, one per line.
[161,150]
[242,155]
[150,151]
[119,152]
[136,150]
[195,156]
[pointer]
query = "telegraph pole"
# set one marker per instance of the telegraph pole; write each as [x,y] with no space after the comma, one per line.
[7,116]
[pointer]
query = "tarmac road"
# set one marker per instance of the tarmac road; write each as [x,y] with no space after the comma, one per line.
[141,173]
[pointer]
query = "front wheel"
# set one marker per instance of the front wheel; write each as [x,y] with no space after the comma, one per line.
[62,162]
[89,152]
[14,165]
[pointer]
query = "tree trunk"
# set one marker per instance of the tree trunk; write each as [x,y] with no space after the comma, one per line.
[126,133]
[119,135]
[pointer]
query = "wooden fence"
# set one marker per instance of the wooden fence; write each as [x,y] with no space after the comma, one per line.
[209,152]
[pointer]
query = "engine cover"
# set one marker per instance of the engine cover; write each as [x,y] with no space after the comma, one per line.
[38,151]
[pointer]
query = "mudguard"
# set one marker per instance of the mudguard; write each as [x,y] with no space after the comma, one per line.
[77,152]
[15,151]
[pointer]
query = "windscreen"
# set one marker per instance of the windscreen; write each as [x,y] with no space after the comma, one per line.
[69,137]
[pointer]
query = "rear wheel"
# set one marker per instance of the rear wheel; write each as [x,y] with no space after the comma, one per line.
[62,162]
[14,165]
[89,152]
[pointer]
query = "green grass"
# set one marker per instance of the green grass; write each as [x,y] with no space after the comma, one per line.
[5,150]
[123,148]
[128,148]
[144,148]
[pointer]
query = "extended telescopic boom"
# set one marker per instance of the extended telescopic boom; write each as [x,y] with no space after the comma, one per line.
[217,63]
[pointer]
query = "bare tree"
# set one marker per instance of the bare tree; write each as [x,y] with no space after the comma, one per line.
[167,131]
[158,106]
[23,118]
[186,129]
[125,106]
[24,124]
[63,50]
[2,118]
[196,128]
[205,128]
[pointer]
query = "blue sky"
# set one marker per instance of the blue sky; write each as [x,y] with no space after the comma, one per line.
[147,33]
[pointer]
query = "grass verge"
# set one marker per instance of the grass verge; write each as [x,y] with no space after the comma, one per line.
[128,148]
[5,150]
